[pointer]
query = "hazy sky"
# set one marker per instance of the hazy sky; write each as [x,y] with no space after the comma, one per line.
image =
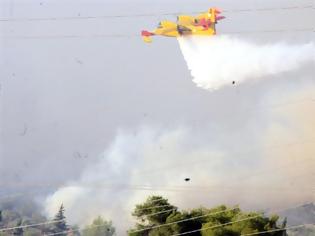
[63,100]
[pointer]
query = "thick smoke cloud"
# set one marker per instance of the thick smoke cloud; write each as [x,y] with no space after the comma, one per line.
[135,165]
[215,62]
[277,172]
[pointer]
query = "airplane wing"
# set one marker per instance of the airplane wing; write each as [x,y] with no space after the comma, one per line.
[185,20]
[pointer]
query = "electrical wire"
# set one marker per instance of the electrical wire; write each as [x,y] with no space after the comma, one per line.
[160,212]
[257,173]
[190,163]
[71,36]
[176,188]
[217,226]
[175,208]
[188,219]
[56,221]
[150,14]
[30,225]
[155,207]
[205,215]
[311,140]
[275,230]
[156,200]
[213,213]
[113,35]
[310,30]
[291,144]
[75,230]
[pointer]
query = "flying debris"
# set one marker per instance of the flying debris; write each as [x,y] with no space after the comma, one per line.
[203,24]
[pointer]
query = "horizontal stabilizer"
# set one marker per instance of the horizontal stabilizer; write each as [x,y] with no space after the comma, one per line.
[146,35]
[219,18]
[217,11]
[147,39]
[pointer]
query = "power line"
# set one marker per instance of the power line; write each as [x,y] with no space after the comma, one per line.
[70,36]
[151,201]
[73,36]
[178,188]
[175,208]
[155,207]
[56,221]
[205,215]
[311,140]
[64,232]
[175,188]
[75,230]
[156,200]
[271,9]
[188,219]
[141,187]
[217,226]
[161,212]
[158,226]
[303,100]
[149,14]
[275,230]
[311,30]
[256,233]
[266,147]
[30,225]
[253,150]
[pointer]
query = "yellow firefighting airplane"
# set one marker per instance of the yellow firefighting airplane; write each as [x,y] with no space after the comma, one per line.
[204,24]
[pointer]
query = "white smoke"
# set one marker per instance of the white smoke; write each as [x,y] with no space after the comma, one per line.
[152,160]
[217,61]
[155,161]
[133,167]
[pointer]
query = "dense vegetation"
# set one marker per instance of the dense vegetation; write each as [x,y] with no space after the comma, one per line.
[201,221]
[155,217]
[15,213]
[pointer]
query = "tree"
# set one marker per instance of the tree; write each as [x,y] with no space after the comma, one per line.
[60,224]
[199,221]
[147,212]
[18,231]
[154,211]
[99,227]
[257,224]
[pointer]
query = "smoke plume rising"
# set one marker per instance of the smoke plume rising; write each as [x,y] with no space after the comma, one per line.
[276,172]
[223,60]
[266,163]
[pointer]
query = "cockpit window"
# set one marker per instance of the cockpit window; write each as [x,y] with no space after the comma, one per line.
[160,25]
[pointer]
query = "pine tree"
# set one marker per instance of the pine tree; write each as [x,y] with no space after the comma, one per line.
[60,225]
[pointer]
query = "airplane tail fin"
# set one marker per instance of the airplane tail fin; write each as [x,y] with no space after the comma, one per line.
[215,15]
[146,36]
